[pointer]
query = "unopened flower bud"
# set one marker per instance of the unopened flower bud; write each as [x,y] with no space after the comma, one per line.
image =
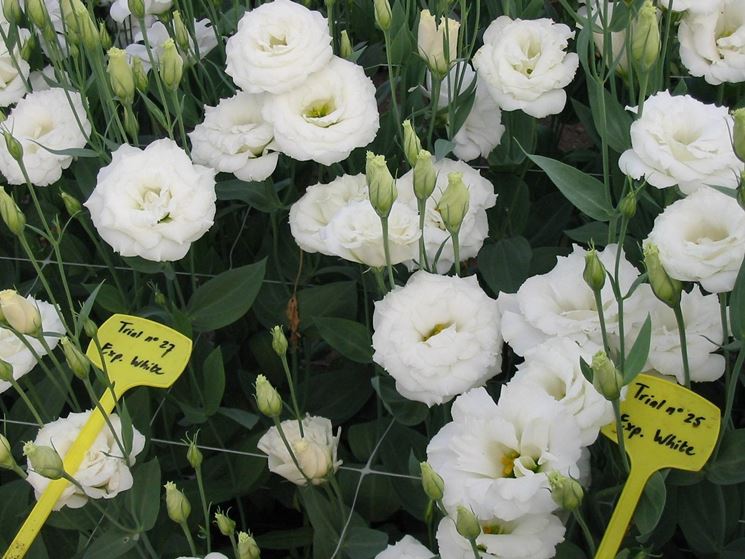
[432,483]
[12,11]
[425,175]
[140,75]
[345,45]
[225,524]
[667,289]
[247,548]
[15,149]
[565,491]
[267,398]
[6,371]
[171,65]
[467,524]
[27,49]
[19,313]
[279,341]
[383,15]
[44,460]
[315,460]
[594,273]
[131,124]
[180,32]
[11,214]
[606,379]
[36,10]
[72,204]
[738,134]
[193,455]
[412,144]
[381,186]
[7,462]
[79,24]
[121,77]
[645,37]
[137,8]
[90,328]
[453,205]
[432,40]
[104,36]
[177,504]
[76,359]
[627,205]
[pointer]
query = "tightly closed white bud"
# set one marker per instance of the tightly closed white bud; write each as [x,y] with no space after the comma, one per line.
[565,491]
[467,524]
[453,205]
[120,76]
[177,504]
[44,460]
[412,144]
[383,14]
[645,37]
[247,548]
[267,398]
[225,524]
[345,45]
[180,32]
[594,273]
[104,36]
[11,214]
[279,341]
[380,183]
[434,486]
[19,313]
[667,289]
[425,175]
[606,379]
[171,65]
[140,75]
[315,460]
[76,359]
[438,44]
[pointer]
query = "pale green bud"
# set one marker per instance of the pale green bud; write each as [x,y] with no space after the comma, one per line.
[12,11]
[279,341]
[594,273]
[247,548]
[137,7]
[6,371]
[738,134]
[193,455]
[27,49]
[180,32]
[412,145]
[79,24]
[606,379]
[225,524]
[565,491]
[7,462]
[177,504]
[645,37]
[425,175]
[453,205]
[380,183]
[15,149]
[121,77]
[36,10]
[104,36]
[11,214]
[131,124]
[667,289]
[140,75]
[267,398]
[431,482]
[19,313]
[383,14]
[171,65]
[72,204]
[627,205]
[90,328]
[44,460]
[345,45]
[76,359]
[467,524]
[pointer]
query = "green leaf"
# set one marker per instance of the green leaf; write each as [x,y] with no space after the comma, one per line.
[144,497]
[214,381]
[701,516]
[225,298]
[586,193]
[337,299]
[729,466]
[568,550]
[111,544]
[405,411]
[261,195]
[241,417]
[107,297]
[348,337]
[144,266]
[364,543]
[637,357]
[286,539]
[442,148]
[337,395]
[594,232]
[651,504]
[324,519]
[737,305]
[505,265]
[617,119]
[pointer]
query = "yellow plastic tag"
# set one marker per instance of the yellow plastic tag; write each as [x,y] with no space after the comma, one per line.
[665,425]
[133,352]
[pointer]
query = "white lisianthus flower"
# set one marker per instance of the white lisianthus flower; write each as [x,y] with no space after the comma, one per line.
[104,472]
[213,555]
[533,536]
[14,70]
[356,234]
[44,119]
[119,10]
[712,44]
[153,203]
[234,138]
[315,451]
[157,35]
[14,351]
[494,458]
[680,140]
[406,548]
[693,6]
[617,38]
[437,337]
[553,368]
[432,40]
[334,112]
[475,227]
[277,46]
[559,304]
[524,64]
[702,238]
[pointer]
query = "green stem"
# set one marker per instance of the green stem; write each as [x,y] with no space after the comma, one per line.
[387,251]
[601,316]
[293,396]
[158,81]
[619,435]
[205,508]
[683,344]
[475,549]
[97,404]
[189,538]
[619,297]
[379,281]
[25,398]
[730,397]
[422,209]
[234,545]
[180,121]
[392,86]
[585,530]
[456,251]
[434,101]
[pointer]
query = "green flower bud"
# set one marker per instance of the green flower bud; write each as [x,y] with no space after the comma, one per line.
[645,37]
[7,462]
[19,313]
[380,183]
[383,15]
[412,145]
[666,289]
[345,45]
[177,504]
[627,205]
[171,65]
[12,11]
[6,371]
[137,8]
[160,299]
[193,455]
[247,548]
[279,341]
[594,274]
[431,482]
[27,49]
[140,75]
[225,524]
[44,460]
[131,124]
[453,205]
[104,37]
[738,134]
[425,175]
[15,149]
[267,398]
[565,491]
[72,204]
[11,214]
[36,10]
[79,24]
[90,328]
[121,77]
[606,379]
[76,359]
[467,524]
[180,32]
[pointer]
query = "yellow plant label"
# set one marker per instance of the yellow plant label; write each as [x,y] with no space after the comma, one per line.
[664,425]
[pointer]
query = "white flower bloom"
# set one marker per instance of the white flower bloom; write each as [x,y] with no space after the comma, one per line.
[694,6]
[494,458]
[679,140]
[15,352]
[432,40]
[104,472]
[524,64]
[119,10]
[13,69]
[712,44]
[438,336]
[356,234]
[44,119]
[315,451]
[157,35]
[332,113]
[702,238]
[277,46]
[406,548]
[213,555]
[319,205]
[559,304]
[153,203]
[234,138]
[553,368]
[475,227]
[533,536]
